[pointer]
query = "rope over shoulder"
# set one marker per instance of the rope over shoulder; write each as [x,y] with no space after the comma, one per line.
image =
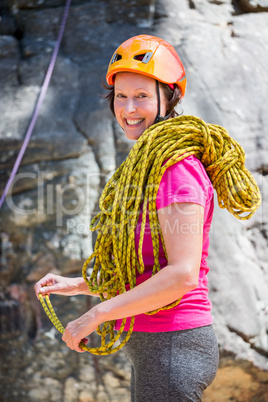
[134,186]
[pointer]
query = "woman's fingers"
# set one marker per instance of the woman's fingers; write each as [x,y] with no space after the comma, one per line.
[72,341]
[77,331]
[44,285]
[46,290]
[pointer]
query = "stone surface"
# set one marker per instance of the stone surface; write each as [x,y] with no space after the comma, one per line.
[9,55]
[237,382]
[139,12]
[97,127]
[75,147]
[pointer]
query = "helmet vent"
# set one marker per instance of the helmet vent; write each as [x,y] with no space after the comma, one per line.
[144,58]
[116,57]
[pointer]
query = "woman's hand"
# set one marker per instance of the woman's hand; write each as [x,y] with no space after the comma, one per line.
[77,330]
[58,285]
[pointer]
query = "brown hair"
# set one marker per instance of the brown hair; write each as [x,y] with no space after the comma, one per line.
[173,97]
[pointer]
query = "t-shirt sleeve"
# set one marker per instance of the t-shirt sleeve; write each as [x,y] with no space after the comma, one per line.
[185,181]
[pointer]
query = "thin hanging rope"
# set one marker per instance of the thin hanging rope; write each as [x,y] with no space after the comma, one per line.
[39,102]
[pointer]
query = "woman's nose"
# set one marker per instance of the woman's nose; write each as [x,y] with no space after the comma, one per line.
[130,106]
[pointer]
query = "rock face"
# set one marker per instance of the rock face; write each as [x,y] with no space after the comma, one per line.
[75,147]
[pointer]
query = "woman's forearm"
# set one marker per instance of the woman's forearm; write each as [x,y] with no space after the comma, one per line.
[82,287]
[165,287]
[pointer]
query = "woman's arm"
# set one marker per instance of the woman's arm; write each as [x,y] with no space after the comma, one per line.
[61,285]
[182,228]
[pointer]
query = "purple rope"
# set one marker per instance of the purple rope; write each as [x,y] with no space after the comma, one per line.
[39,102]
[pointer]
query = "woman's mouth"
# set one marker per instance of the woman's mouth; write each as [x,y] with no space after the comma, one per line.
[132,122]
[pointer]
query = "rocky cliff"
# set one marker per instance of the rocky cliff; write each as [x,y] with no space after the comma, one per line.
[75,147]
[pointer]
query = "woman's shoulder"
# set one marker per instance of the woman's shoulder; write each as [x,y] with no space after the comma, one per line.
[186,181]
[190,167]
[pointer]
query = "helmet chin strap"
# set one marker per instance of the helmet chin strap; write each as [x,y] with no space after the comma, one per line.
[158,117]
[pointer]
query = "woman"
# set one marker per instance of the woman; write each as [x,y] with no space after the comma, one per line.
[173,353]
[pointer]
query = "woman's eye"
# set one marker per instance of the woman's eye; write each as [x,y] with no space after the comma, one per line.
[120,96]
[142,96]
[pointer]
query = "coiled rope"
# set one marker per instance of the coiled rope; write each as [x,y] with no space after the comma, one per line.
[134,186]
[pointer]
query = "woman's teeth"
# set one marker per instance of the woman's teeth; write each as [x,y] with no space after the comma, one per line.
[133,122]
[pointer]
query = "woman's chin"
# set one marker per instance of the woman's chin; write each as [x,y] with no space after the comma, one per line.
[133,136]
[133,133]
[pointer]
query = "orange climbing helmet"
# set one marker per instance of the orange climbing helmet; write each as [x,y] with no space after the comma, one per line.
[151,56]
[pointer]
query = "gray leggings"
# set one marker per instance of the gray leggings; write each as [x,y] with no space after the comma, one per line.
[172,366]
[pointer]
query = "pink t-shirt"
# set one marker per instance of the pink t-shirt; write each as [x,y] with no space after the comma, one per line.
[185,181]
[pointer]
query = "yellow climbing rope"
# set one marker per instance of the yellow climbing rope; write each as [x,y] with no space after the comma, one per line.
[136,183]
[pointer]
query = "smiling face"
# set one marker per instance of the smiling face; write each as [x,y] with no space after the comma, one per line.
[135,103]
